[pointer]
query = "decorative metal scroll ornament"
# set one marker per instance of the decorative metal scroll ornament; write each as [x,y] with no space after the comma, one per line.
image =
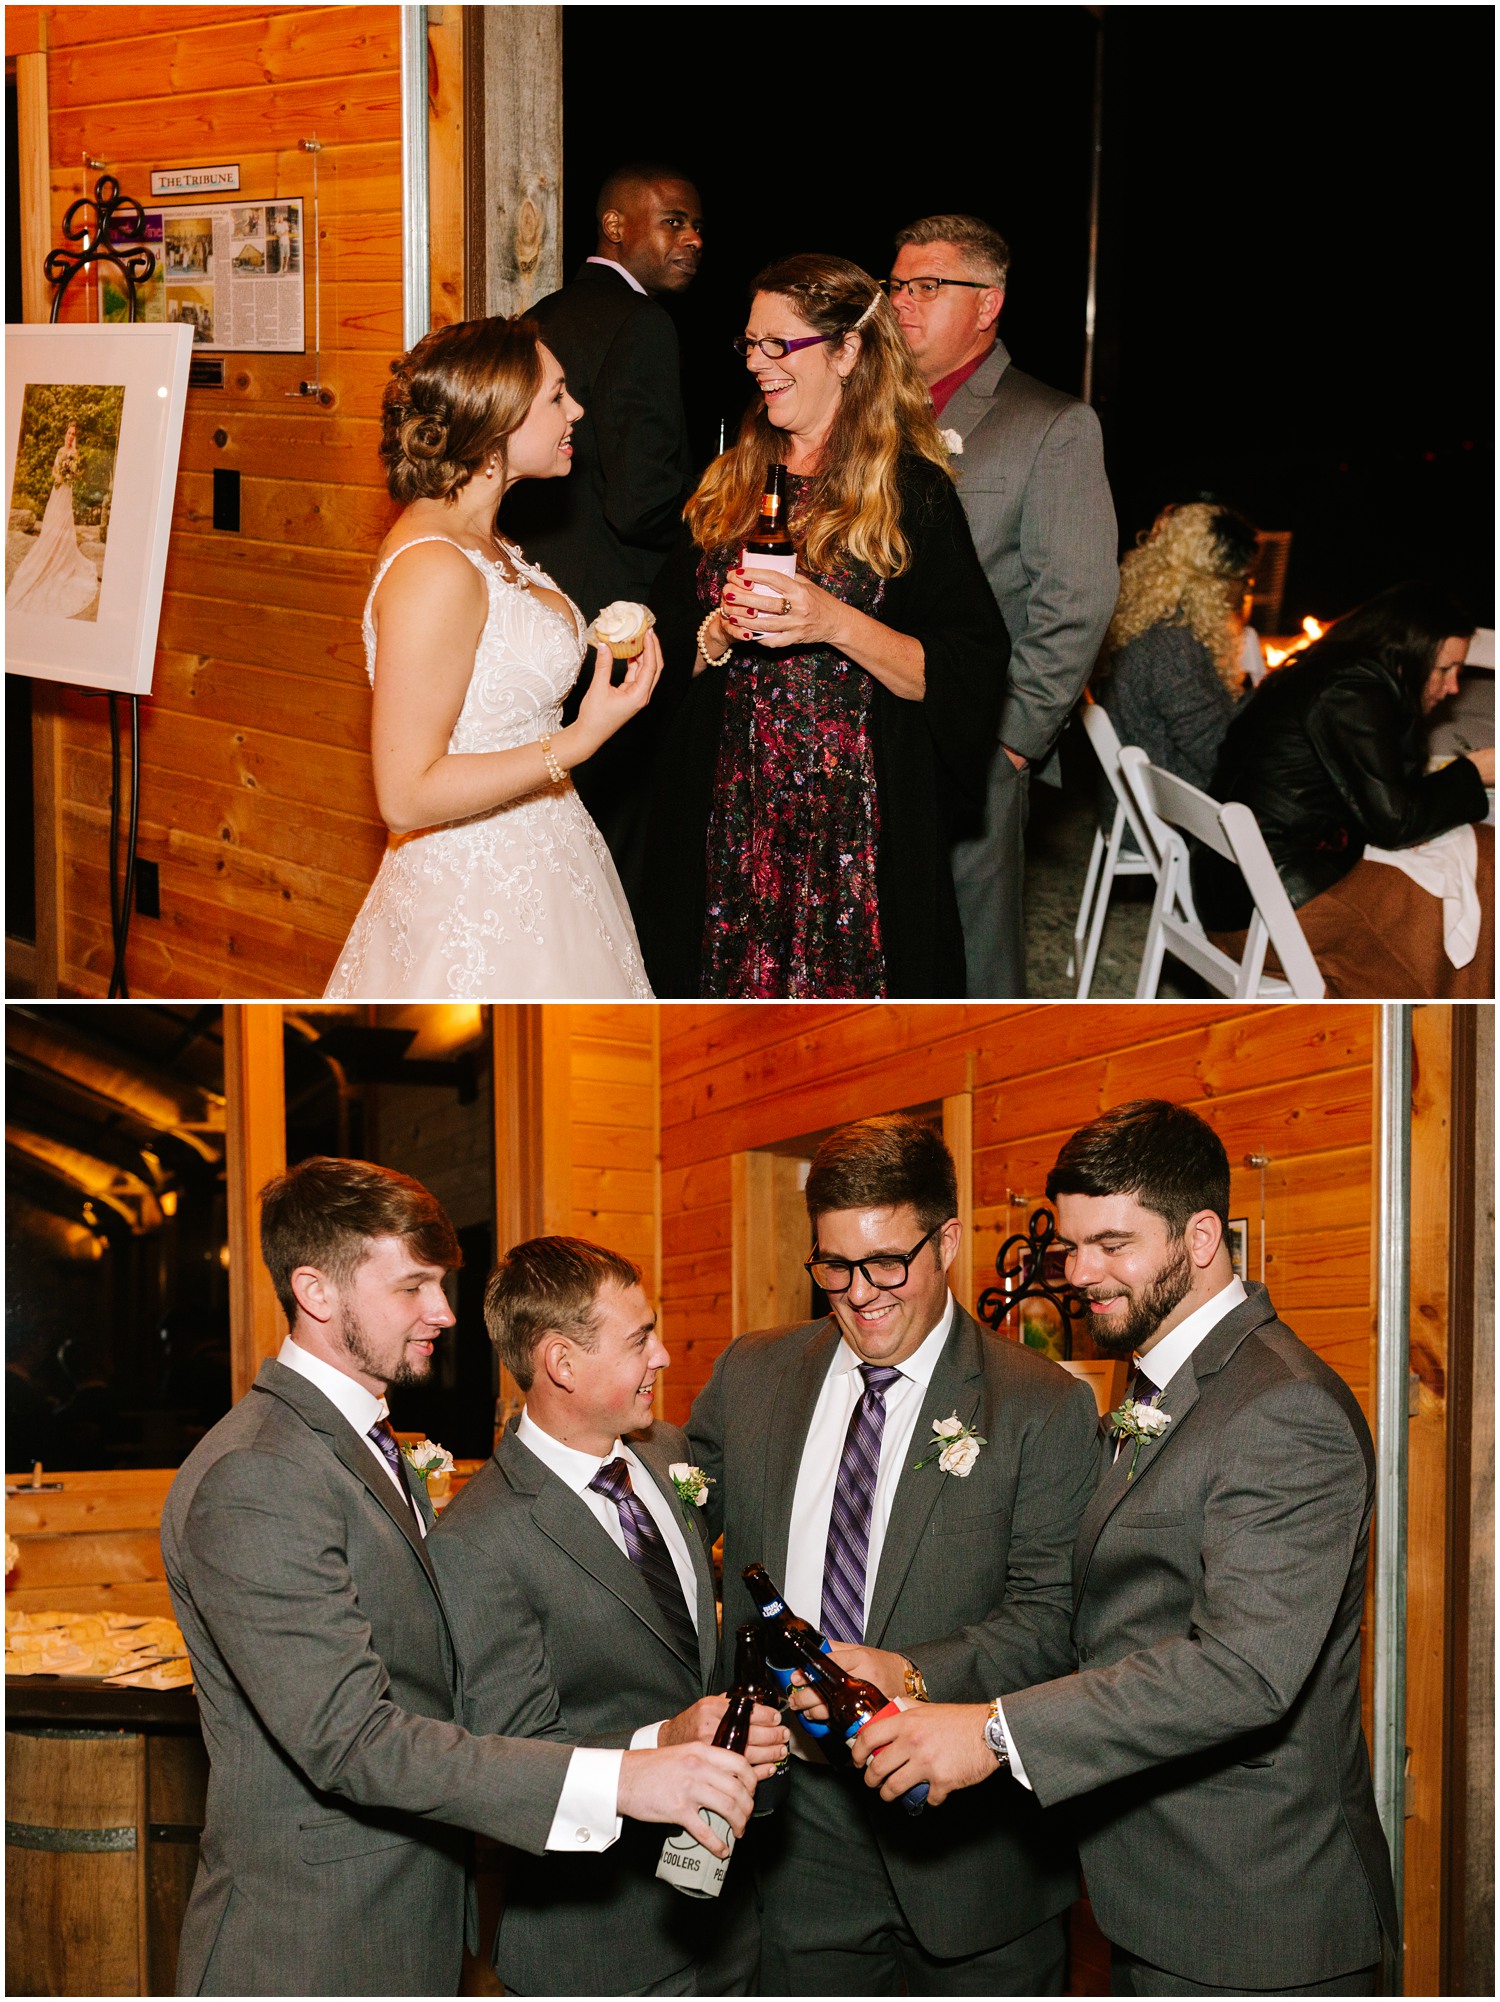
[94,222]
[1021,1264]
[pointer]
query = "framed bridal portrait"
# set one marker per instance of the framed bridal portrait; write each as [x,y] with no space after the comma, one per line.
[93,428]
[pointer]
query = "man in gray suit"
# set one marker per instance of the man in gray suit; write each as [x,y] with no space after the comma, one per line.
[569,1626]
[936,1576]
[1210,1742]
[332,1860]
[1030,467]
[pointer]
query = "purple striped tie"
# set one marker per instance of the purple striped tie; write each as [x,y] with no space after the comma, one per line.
[843,1616]
[385,1438]
[648,1552]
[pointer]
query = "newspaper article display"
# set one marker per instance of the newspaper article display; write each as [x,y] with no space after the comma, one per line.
[230,271]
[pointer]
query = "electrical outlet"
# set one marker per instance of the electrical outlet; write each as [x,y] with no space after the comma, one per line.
[147,889]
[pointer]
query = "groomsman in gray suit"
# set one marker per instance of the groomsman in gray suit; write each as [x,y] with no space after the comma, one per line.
[340,1781]
[1209,1745]
[1030,467]
[935,1576]
[581,1597]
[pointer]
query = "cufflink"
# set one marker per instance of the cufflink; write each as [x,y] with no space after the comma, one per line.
[583,1835]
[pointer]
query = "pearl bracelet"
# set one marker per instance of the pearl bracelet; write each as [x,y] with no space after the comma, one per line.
[709,660]
[554,769]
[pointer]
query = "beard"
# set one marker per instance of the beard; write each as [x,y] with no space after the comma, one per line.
[1145,1310]
[362,1352]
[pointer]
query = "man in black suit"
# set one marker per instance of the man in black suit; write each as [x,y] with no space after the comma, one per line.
[606,531]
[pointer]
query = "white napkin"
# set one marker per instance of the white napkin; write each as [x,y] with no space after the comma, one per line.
[1446,867]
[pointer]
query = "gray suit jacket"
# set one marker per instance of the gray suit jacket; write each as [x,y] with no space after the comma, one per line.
[1032,481]
[972,1584]
[560,1638]
[1211,1739]
[328,1693]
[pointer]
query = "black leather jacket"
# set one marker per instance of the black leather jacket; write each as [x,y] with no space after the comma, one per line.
[1329,756]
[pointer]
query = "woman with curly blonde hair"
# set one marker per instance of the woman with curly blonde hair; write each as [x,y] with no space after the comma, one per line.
[497,883]
[800,826]
[1170,673]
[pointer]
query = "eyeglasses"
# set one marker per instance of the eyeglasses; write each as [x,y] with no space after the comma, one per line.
[887,1270]
[926,288]
[772,349]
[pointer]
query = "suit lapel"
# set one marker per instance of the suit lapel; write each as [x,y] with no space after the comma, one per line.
[653,1456]
[1177,1400]
[796,1399]
[973,398]
[566,1520]
[954,1387]
[325,1418]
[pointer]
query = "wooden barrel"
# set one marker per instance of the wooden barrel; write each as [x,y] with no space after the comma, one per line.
[75,1853]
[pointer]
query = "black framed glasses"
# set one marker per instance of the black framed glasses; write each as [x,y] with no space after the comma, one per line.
[773,349]
[886,1270]
[927,288]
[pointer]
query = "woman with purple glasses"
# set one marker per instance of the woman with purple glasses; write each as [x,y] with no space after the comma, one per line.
[800,821]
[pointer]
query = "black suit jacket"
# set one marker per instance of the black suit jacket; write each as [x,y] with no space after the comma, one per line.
[605,531]
[973,1586]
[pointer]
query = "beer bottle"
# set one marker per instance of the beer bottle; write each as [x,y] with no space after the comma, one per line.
[778,1619]
[852,1703]
[684,1860]
[771,547]
[753,1672]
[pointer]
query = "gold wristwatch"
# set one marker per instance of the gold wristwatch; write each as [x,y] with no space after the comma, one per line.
[916,1684]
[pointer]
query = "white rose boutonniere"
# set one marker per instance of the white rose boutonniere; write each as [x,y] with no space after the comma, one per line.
[955,1447]
[1140,1422]
[432,1464]
[954,443]
[691,1483]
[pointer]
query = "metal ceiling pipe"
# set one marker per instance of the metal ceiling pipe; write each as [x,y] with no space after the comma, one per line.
[1392,1406]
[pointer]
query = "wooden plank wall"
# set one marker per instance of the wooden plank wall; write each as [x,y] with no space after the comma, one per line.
[93,1548]
[611,1130]
[1294,1083]
[256,800]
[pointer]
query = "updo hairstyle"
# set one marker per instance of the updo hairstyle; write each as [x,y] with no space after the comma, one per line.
[452,403]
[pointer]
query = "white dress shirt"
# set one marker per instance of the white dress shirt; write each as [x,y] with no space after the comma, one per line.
[585,1817]
[629,276]
[1161,1364]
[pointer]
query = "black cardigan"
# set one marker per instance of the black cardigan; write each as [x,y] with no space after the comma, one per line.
[1329,755]
[931,757]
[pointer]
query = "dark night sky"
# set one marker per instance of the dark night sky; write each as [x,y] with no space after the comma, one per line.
[1296,269]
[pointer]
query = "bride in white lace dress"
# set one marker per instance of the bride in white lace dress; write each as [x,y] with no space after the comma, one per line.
[496,885]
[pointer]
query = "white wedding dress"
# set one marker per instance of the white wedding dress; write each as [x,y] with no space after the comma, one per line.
[54,579]
[518,904]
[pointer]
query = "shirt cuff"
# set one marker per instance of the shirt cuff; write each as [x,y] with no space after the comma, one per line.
[1017,1770]
[586,1817]
[647,1738]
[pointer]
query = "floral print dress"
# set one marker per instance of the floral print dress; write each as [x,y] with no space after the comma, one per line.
[792,910]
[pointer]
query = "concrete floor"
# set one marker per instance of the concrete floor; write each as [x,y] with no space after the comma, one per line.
[1059,838]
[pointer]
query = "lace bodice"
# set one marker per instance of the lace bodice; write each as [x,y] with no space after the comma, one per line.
[526,661]
[521,902]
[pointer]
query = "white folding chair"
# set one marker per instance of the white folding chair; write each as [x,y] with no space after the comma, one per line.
[1110,858]
[1171,808]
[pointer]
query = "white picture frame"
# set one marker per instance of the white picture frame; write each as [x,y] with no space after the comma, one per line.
[111,646]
